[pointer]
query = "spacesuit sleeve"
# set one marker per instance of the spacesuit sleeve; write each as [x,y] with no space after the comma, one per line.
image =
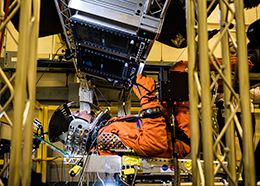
[145,89]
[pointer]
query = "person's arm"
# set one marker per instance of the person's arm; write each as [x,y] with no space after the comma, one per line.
[145,90]
[152,139]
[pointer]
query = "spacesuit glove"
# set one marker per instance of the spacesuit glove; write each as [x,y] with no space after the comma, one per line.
[145,89]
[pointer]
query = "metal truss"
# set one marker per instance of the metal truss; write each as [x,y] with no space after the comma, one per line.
[4,19]
[24,90]
[64,14]
[203,85]
[157,8]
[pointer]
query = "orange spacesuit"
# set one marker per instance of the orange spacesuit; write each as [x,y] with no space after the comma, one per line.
[150,137]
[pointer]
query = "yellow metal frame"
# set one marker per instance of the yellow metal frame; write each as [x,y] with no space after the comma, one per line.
[200,87]
[42,151]
[24,102]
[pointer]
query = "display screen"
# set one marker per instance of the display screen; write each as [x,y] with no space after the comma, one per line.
[117,43]
[102,64]
[89,34]
[103,38]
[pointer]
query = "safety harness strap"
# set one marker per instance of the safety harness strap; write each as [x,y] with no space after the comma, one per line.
[152,113]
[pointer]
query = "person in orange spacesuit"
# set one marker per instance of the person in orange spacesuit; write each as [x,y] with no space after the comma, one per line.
[153,137]
[149,133]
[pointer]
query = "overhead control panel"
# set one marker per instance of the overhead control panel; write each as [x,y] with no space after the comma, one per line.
[114,37]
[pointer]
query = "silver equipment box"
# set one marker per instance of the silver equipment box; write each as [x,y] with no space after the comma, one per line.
[114,37]
[131,17]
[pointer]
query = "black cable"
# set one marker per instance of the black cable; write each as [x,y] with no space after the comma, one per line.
[49,64]
[124,103]
[94,135]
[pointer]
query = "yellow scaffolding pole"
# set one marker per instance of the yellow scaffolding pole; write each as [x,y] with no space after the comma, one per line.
[193,103]
[199,76]
[39,151]
[20,93]
[230,133]
[32,68]
[42,151]
[248,149]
